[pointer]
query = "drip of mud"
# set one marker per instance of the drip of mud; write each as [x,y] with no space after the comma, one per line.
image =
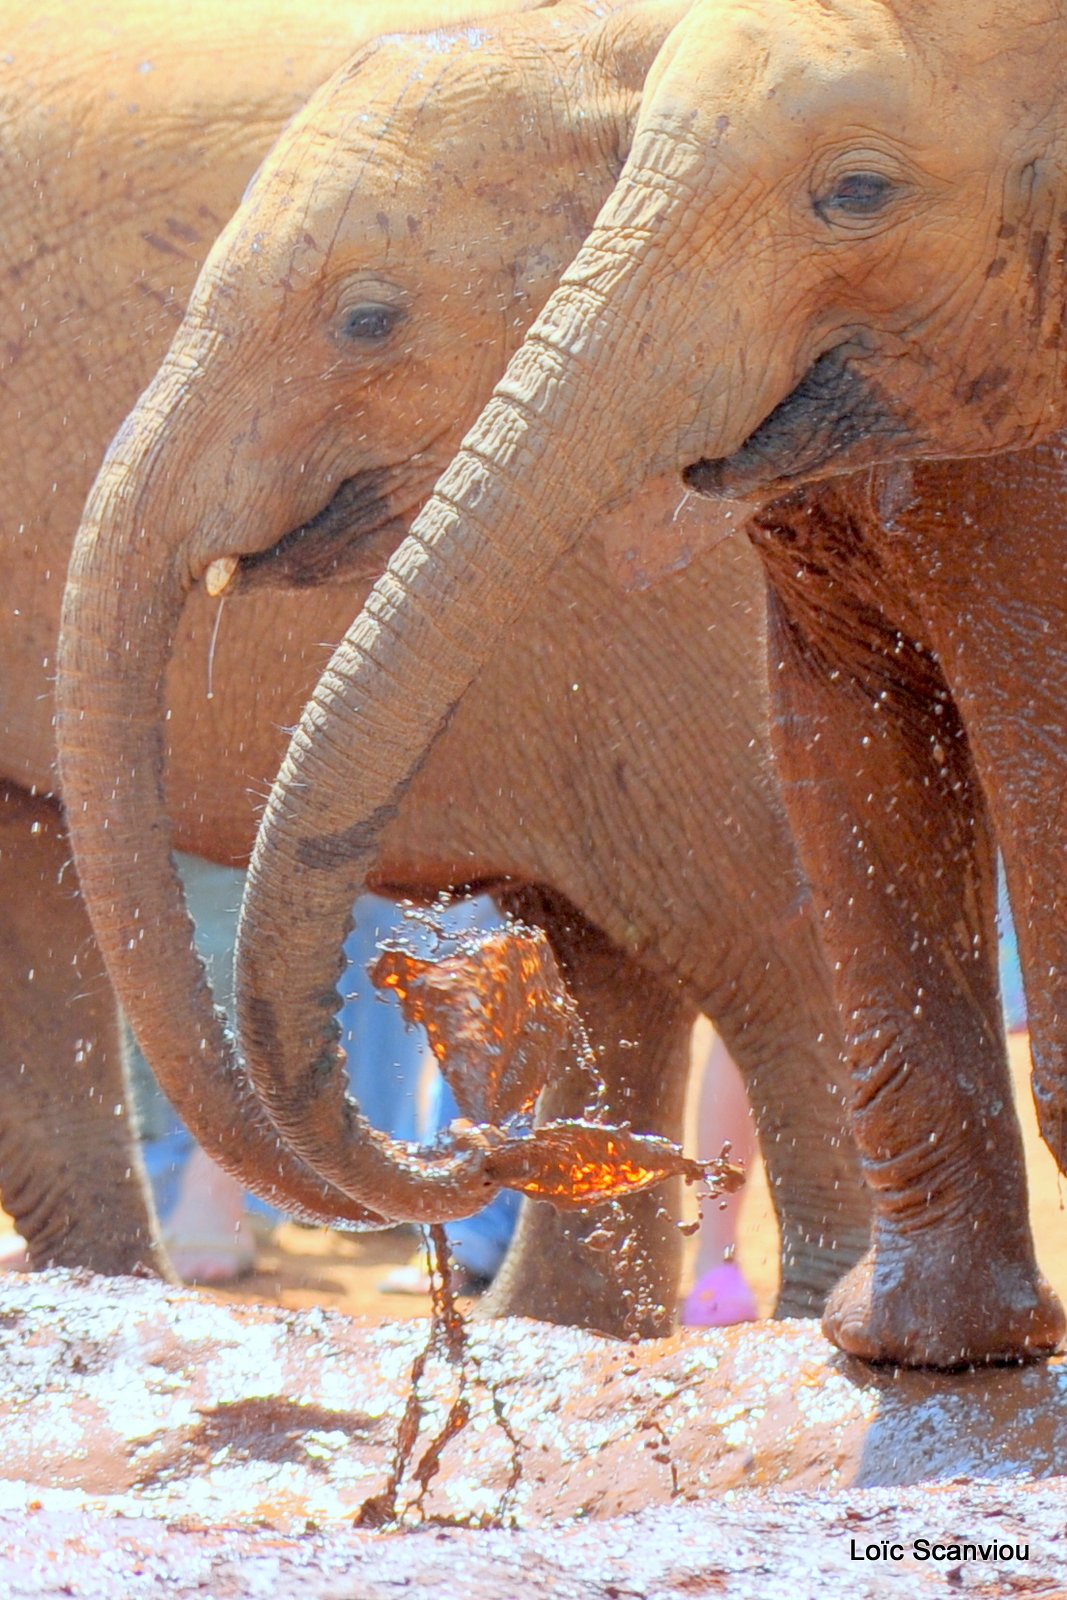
[448,1332]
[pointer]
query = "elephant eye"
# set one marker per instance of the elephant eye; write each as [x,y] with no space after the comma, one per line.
[368,324]
[857,194]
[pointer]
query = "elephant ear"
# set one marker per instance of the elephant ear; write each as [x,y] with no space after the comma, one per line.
[617,61]
[582,100]
[632,38]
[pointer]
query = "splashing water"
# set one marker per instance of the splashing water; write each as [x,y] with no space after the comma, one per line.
[501,1024]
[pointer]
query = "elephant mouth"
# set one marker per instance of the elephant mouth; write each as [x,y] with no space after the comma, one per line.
[835,421]
[351,538]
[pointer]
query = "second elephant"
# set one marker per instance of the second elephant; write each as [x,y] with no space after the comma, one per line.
[568,782]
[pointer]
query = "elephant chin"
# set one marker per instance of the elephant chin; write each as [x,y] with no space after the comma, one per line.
[350,539]
[835,420]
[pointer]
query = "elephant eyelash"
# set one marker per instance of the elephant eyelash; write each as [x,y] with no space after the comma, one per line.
[370,323]
[857,195]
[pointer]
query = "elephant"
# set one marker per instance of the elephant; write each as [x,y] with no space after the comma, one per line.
[120,156]
[766,308]
[120,160]
[650,916]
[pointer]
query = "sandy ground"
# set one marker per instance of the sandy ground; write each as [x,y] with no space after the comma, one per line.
[302,1267]
[795,1545]
[156,1443]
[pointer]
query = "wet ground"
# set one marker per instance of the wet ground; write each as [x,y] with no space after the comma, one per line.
[779,1545]
[157,1442]
[150,1437]
[154,1402]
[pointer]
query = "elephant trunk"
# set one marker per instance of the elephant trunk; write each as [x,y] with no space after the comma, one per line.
[121,609]
[388,692]
[607,388]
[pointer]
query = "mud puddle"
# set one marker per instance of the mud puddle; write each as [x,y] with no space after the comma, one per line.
[135,1399]
[153,1442]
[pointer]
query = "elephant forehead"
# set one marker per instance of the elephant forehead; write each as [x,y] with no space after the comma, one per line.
[452,167]
[405,106]
[768,86]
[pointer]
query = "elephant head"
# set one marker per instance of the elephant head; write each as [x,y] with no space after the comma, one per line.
[836,240]
[385,264]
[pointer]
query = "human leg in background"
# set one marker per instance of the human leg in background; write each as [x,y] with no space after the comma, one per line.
[720,1294]
[1011,978]
[385,1056]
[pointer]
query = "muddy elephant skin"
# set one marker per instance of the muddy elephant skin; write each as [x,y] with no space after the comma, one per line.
[805,318]
[918,729]
[653,912]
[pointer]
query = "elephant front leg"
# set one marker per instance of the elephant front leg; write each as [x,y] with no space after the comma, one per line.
[772,1005]
[70,1166]
[893,832]
[996,605]
[612,1269]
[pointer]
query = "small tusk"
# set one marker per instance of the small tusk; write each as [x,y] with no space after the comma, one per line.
[219,575]
[683,502]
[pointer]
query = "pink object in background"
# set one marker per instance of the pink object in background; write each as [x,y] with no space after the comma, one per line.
[720,1298]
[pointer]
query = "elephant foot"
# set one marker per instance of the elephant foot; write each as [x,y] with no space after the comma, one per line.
[612,1275]
[924,1304]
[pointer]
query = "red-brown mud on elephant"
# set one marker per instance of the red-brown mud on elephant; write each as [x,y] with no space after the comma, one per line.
[500,1023]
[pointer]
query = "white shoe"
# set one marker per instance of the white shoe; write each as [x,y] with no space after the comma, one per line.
[213,1257]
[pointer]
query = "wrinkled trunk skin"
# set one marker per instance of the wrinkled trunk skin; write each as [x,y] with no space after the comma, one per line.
[903,710]
[379,702]
[505,510]
[548,453]
[124,597]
